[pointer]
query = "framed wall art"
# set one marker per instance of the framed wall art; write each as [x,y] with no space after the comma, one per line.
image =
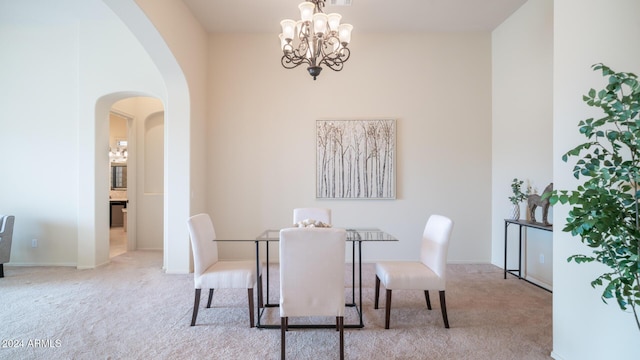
[355,159]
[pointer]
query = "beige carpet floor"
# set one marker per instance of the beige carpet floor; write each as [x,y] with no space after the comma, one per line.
[130,309]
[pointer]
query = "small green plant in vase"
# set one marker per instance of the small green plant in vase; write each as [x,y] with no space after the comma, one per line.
[517,197]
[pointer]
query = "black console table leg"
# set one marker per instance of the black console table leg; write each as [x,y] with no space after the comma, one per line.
[506,225]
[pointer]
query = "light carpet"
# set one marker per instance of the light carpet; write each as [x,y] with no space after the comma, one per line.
[130,309]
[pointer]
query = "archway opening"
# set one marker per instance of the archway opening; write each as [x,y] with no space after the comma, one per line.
[143,191]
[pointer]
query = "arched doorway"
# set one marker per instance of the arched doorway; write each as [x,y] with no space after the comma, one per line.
[93,228]
[119,186]
[143,195]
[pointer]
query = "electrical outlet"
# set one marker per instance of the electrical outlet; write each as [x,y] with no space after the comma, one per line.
[541,258]
[34,243]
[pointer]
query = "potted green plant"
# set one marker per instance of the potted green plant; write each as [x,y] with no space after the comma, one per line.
[604,208]
[517,197]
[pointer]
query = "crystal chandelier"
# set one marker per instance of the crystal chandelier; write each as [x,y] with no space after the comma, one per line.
[321,39]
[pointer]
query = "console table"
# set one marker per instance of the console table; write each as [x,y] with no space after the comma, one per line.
[521,224]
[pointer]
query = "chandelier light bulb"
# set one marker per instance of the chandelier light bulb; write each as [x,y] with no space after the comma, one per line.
[345,33]
[288,28]
[334,21]
[319,24]
[306,10]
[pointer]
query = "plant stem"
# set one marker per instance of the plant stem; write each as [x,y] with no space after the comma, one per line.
[633,308]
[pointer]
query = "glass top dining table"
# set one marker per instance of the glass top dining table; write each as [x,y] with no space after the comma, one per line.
[355,236]
[358,234]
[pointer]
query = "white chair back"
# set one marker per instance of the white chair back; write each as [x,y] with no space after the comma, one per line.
[435,244]
[205,250]
[312,272]
[6,236]
[318,214]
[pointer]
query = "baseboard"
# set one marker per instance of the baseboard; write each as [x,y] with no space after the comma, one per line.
[39,264]
[539,282]
[176,272]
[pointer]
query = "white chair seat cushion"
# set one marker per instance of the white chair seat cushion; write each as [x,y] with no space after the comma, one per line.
[408,275]
[228,274]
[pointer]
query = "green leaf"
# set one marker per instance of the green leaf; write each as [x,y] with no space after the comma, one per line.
[580,259]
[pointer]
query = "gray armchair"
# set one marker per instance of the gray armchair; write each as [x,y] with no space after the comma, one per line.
[6,233]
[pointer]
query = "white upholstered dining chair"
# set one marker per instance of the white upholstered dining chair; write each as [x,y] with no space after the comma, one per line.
[6,236]
[318,214]
[312,270]
[210,273]
[427,274]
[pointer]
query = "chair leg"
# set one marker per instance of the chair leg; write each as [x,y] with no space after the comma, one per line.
[387,310]
[196,304]
[341,327]
[426,296]
[210,297]
[1,270]
[375,305]
[283,330]
[260,296]
[443,305]
[250,295]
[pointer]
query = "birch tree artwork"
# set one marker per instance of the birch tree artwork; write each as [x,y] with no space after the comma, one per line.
[355,159]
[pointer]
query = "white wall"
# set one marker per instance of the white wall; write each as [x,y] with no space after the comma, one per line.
[522,65]
[152,184]
[34,137]
[262,137]
[586,33]
[58,59]
[184,69]
[112,64]
[117,129]
[82,60]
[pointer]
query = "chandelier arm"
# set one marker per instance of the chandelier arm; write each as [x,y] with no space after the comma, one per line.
[345,54]
[334,60]
[290,62]
[293,58]
[333,65]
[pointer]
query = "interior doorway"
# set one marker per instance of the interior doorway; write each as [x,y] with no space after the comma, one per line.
[136,175]
[118,184]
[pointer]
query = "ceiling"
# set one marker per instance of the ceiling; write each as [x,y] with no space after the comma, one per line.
[264,16]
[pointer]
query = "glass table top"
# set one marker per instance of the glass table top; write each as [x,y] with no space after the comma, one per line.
[359,234]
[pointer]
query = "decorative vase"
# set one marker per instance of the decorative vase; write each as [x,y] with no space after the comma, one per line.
[515,213]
